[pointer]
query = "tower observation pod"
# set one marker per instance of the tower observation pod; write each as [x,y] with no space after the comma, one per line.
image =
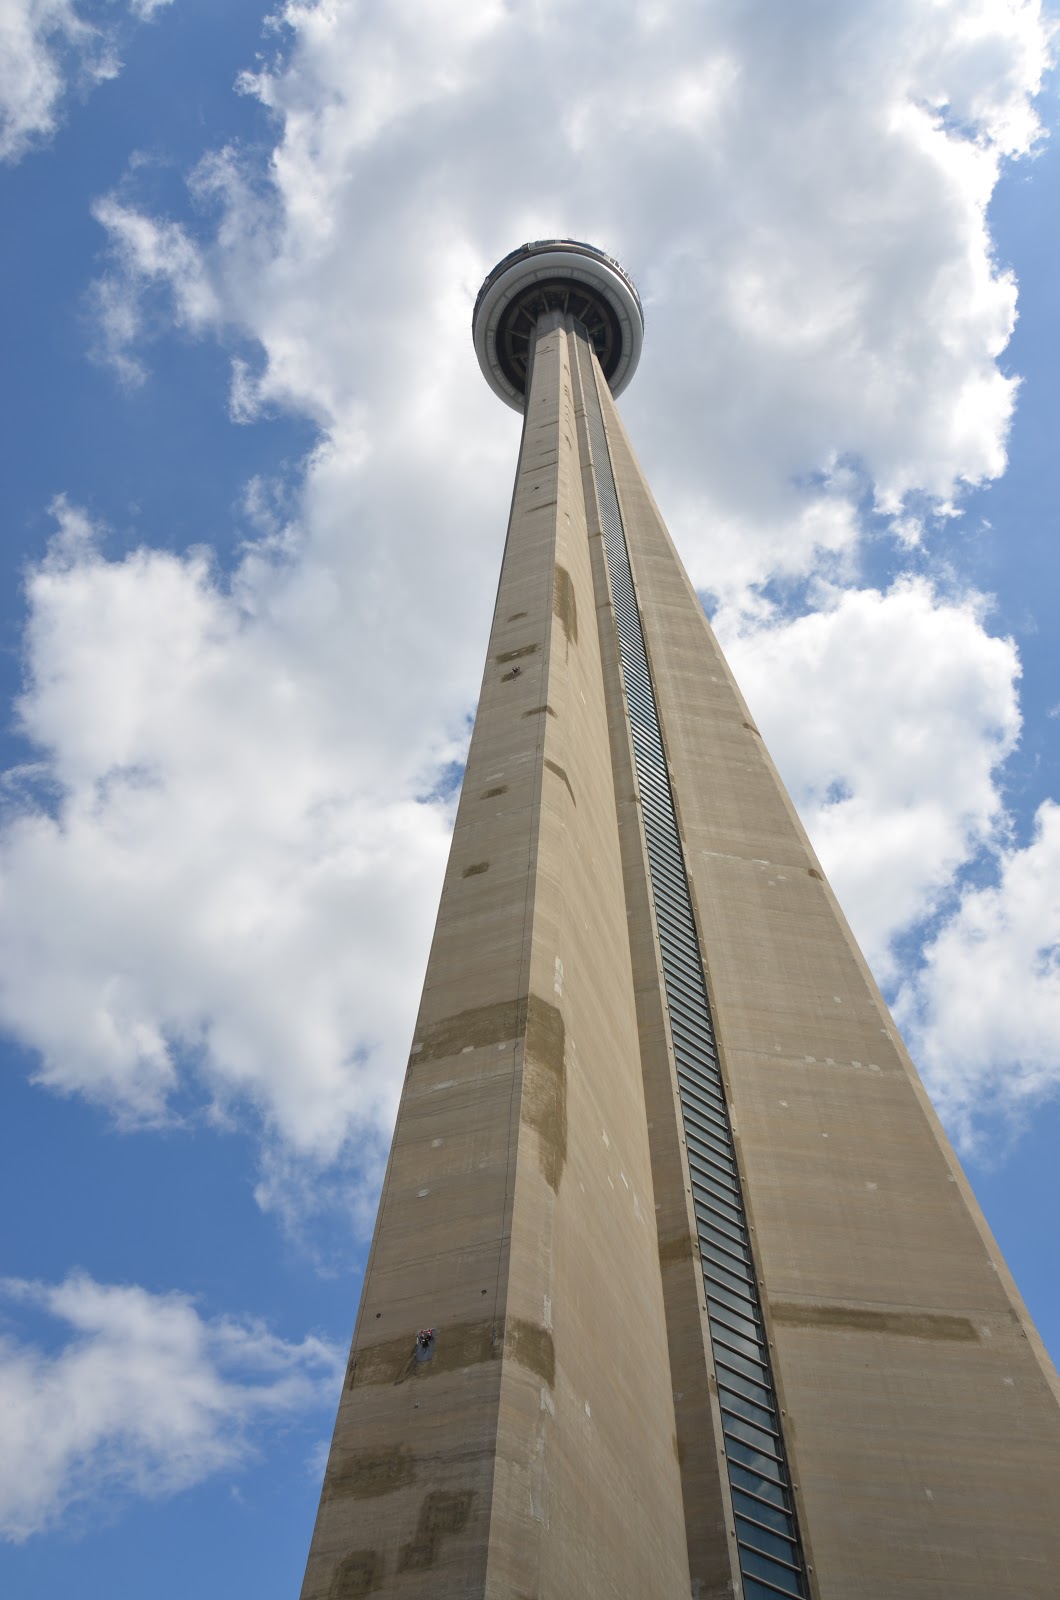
[677,1287]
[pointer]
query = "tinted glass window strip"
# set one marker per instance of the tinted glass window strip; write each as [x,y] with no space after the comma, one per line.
[667,854]
[764,1489]
[655,801]
[715,1141]
[721,1239]
[735,1427]
[699,1080]
[683,1008]
[692,1033]
[719,1184]
[740,1328]
[726,1296]
[713,1213]
[693,1040]
[725,1259]
[687,997]
[780,1545]
[699,1076]
[712,1149]
[747,1409]
[716,1152]
[718,1203]
[695,1108]
[747,1456]
[733,1379]
[700,1088]
[727,1275]
[681,969]
[676,941]
[730,1342]
[665,847]
[700,1049]
[710,1167]
[690,968]
[675,936]
[703,1120]
[684,963]
[754,1504]
[702,1112]
[755,1589]
[780,1577]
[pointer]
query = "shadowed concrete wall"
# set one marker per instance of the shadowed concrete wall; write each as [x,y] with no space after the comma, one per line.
[921,1411]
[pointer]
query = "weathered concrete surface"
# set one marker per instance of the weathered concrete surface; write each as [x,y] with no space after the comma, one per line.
[562,1437]
[534,1453]
[922,1413]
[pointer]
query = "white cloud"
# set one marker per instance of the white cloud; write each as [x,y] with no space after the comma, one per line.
[232,842]
[802,194]
[144,1396]
[45,45]
[889,716]
[983,1015]
[227,872]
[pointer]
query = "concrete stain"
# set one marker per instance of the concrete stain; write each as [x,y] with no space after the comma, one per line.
[554,766]
[491,794]
[854,1319]
[680,1249]
[478,1027]
[442,1513]
[358,1574]
[458,1345]
[515,655]
[476,869]
[365,1475]
[565,604]
[539,711]
[813,872]
[532,1347]
[544,1105]
[544,1102]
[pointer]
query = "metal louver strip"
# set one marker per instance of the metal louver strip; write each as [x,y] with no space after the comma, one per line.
[771,1559]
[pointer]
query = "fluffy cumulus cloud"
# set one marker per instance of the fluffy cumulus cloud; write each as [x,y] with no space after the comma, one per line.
[800,191]
[240,780]
[889,715]
[984,1012]
[230,843]
[45,46]
[140,1394]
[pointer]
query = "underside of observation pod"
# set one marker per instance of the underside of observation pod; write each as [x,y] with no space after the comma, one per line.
[556,275]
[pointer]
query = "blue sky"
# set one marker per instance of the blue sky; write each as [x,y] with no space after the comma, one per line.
[255,494]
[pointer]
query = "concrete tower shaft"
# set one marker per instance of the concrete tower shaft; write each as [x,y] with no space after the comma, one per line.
[676,1285]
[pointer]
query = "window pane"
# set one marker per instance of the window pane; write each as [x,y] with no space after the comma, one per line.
[740,1476]
[761,1567]
[758,1391]
[737,1428]
[770,1543]
[771,1515]
[759,1415]
[744,1456]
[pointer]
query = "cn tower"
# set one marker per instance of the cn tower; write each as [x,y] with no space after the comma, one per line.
[677,1287]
